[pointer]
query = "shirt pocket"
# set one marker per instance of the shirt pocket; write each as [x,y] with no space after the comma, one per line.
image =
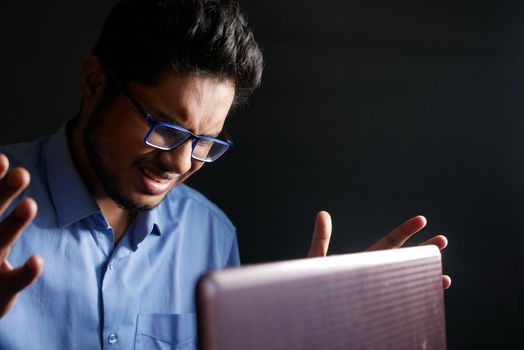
[166,331]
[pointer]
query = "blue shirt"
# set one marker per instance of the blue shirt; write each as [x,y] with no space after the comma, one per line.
[92,294]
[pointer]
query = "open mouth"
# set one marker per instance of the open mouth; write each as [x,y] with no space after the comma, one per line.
[154,183]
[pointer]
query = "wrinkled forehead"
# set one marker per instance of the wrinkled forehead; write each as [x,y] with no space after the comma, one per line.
[197,102]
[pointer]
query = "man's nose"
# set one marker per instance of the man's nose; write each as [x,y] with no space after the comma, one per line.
[179,159]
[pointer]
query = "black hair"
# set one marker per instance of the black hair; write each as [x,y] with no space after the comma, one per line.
[142,38]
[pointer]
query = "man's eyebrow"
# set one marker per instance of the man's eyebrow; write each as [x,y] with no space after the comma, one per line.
[215,135]
[174,119]
[169,118]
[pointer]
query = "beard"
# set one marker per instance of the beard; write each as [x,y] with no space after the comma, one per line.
[109,181]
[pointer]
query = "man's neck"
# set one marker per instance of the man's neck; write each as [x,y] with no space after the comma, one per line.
[118,218]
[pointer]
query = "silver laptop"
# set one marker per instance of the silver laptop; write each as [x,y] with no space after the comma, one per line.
[379,300]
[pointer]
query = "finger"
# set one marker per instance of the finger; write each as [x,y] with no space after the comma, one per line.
[5,266]
[12,226]
[446,281]
[15,280]
[4,165]
[440,241]
[321,235]
[397,237]
[11,185]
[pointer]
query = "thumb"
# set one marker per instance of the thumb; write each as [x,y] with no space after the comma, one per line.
[17,279]
[321,235]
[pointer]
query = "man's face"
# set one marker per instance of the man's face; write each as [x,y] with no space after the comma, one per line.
[134,175]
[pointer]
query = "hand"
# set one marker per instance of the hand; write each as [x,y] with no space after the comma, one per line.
[13,280]
[394,239]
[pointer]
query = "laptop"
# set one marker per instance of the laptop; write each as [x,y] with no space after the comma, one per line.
[389,299]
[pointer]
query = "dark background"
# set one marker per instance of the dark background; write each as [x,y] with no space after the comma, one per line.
[373,110]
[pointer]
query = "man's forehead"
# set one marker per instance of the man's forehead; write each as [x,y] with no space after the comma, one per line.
[194,101]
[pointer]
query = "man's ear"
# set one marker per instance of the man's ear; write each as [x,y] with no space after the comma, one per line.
[93,79]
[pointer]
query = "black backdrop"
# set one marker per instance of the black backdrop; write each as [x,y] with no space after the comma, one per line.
[373,110]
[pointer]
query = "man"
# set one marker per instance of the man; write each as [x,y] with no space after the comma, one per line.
[123,240]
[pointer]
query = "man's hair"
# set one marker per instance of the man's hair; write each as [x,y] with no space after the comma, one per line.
[141,39]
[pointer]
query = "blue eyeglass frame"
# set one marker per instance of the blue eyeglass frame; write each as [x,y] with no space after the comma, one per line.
[194,138]
[154,123]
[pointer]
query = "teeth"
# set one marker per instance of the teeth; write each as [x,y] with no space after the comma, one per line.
[154,177]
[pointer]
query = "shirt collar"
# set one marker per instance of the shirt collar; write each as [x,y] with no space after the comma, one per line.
[69,193]
[145,223]
[71,197]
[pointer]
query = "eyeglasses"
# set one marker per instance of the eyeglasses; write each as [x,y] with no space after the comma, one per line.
[167,136]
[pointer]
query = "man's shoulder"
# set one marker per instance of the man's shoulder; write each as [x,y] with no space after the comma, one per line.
[26,154]
[184,197]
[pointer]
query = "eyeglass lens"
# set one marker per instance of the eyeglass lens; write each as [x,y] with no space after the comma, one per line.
[168,138]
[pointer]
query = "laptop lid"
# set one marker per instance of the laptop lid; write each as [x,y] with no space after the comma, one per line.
[389,299]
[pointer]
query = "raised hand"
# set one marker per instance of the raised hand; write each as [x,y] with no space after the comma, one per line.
[13,280]
[394,239]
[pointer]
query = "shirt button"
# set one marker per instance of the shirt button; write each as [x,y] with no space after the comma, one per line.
[113,338]
[111,265]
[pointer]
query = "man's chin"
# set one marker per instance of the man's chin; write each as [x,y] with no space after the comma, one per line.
[138,204]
